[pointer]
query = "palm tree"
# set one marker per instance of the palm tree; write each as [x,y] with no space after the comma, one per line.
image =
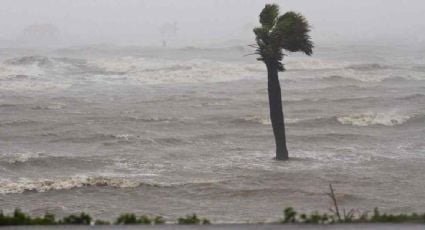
[289,32]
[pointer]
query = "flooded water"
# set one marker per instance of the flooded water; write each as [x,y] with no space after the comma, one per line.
[177,131]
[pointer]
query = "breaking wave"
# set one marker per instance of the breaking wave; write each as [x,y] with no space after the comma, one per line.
[19,157]
[44,185]
[368,119]
[265,120]
[25,72]
[361,119]
[367,67]
[24,185]
[29,60]
[157,71]
[17,122]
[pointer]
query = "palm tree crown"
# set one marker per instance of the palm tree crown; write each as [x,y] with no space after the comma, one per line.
[289,32]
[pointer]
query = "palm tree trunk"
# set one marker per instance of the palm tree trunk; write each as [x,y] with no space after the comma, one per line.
[276,113]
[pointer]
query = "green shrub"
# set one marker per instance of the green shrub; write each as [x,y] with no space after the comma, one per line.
[47,219]
[130,218]
[127,218]
[82,219]
[101,222]
[192,219]
[159,220]
[289,215]
[144,220]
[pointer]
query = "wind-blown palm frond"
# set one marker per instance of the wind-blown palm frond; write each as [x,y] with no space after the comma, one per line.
[269,15]
[292,29]
[289,32]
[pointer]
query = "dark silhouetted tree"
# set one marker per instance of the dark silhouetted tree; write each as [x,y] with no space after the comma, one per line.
[289,32]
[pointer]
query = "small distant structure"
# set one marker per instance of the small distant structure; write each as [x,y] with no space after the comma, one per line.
[168,31]
[40,34]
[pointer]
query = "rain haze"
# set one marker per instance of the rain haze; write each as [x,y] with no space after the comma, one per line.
[210,22]
[161,108]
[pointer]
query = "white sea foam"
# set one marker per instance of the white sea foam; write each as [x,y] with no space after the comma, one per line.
[19,157]
[367,119]
[265,120]
[32,86]
[9,71]
[362,119]
[45,185]
[156,71]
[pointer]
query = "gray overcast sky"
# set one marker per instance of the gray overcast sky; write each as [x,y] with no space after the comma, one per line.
[212,21]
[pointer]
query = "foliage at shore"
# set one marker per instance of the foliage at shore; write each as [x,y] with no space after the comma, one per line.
[192,219]
[290,216]
[20,218]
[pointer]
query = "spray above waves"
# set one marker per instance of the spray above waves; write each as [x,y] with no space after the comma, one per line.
[40,73]
[157,71]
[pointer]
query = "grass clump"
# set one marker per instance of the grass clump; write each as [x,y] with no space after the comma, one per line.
[82,219]
[351,216]
[377,217]
[192,219]
[20,218]
[290,216]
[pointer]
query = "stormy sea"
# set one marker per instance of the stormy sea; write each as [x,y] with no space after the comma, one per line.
[161,131]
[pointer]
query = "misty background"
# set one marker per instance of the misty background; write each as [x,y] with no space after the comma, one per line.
[202,23]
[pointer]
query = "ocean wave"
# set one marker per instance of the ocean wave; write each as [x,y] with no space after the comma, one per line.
[48,107]
[297,64]
[29,60]
[148,119]
[367,67]
[17,123]
[325,64]
[19,72]
[416,96]
[355,77]
[368,119]
[420,68]
[361,119]
[157,71]
[7,105]
[44,185]
[32,86]
[413,97]
[16,158]
[89,138]
[336,78]
[265,120]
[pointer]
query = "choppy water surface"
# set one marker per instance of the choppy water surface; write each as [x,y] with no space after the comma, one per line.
[171,132]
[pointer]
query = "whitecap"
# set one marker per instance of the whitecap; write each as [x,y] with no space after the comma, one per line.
[19,157]
[369,118]
[44,185]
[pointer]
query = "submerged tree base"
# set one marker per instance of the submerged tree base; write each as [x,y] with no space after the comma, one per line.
[281,158]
